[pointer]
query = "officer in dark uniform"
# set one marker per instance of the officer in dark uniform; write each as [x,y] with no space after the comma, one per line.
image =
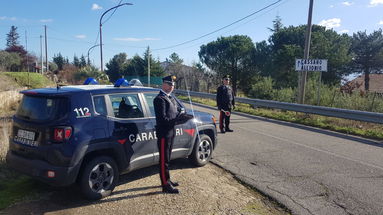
[168,114]
[225,103]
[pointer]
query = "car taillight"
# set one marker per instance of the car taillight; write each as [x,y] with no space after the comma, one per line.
[62,133]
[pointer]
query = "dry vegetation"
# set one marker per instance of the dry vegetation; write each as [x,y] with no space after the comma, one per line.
[9,101]
[5,127]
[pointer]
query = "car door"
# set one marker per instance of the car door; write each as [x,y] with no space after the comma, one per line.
[184,132]
[130,126]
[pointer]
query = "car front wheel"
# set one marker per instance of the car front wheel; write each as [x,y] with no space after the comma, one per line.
[202,151]
[99,177]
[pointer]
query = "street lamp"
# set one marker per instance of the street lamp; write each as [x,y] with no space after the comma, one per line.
[90,49]
[102,66]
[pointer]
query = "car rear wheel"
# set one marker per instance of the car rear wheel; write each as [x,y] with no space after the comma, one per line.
[202,151]
[99,177]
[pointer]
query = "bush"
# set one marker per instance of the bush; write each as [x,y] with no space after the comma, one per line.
[263,89]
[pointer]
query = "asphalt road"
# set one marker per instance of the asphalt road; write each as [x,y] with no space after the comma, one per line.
[309,170]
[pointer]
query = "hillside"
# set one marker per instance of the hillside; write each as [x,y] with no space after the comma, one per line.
[7,83]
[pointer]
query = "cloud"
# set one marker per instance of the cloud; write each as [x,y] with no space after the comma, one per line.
[374,3]
[96,7]
[330,23]
[331,6]
[46,20]
[380,22]
[347,3]
[81,36]
[132,39]
[8,18]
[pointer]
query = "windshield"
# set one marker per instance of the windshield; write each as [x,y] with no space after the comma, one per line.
[42,108]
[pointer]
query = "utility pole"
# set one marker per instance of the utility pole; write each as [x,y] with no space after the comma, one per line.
[148,67]
[115,7]
[46,50]
[41,55]
[303,74]
[26,49]
[89,52]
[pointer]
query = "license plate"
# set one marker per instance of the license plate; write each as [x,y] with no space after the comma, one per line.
[26,137]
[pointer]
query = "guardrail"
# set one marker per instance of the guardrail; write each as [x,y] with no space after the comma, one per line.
[320,110]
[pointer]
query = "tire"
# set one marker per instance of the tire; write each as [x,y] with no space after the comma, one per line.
[202,151]
[99,178]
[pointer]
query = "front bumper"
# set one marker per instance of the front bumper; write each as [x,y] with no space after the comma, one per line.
[38,169]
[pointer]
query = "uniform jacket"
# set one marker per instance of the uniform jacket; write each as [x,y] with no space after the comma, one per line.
[166,110]
[225,97]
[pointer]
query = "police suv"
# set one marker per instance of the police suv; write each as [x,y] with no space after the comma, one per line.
[90,134]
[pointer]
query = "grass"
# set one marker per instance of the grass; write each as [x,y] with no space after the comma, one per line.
[30,80]
[15,188]
[364,129]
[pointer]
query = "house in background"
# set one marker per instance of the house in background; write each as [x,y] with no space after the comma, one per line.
[376,84]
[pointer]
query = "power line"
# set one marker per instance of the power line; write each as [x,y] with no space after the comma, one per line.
[226,26]
[112,13]
[210,38]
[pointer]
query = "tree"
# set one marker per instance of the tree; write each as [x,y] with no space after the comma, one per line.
[229,55]
[76,61]
[287,44]
[12,38]
[155,65]
[175,58]
[9,61]
[59,60]
[136,67]
[82,62]
[14,47]
[368,53]
[277,24]
[174,66]
[116,66]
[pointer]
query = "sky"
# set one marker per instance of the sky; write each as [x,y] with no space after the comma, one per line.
[167,26]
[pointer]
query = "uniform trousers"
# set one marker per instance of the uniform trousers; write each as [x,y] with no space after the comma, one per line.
[224,120]
[165,146]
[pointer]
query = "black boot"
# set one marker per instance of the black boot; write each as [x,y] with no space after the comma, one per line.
[174,184]
[169,189]
[229,130]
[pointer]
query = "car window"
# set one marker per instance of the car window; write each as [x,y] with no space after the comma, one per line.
[149,97]
[42,108]
[99,105]
[126,106]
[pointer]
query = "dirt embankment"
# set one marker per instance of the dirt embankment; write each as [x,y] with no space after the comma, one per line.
[206,190]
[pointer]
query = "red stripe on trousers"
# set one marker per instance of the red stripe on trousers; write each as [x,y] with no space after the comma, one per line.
[221,120]
[162,162]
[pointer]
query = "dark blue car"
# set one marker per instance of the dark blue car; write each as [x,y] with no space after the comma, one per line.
[91,134]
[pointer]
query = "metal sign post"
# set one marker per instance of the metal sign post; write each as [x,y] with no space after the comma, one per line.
[312,65]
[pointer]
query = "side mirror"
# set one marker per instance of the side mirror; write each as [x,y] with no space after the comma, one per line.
[182,110]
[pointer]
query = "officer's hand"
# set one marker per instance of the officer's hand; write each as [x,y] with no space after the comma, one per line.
[186,116]
[182,118]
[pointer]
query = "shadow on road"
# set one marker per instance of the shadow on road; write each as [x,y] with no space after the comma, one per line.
[61,198]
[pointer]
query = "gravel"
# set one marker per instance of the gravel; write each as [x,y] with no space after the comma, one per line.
[204,190]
